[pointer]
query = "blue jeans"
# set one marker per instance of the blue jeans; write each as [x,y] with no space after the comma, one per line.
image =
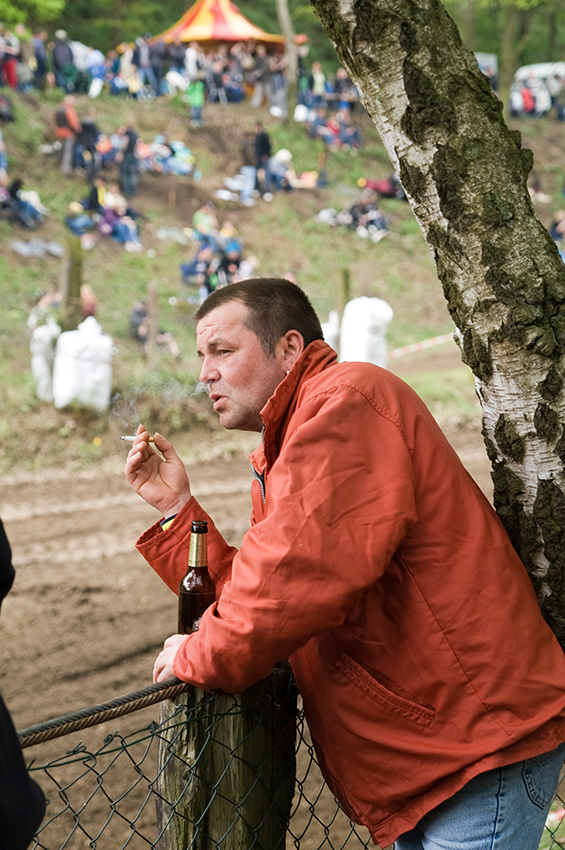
[502,809]
[249,173]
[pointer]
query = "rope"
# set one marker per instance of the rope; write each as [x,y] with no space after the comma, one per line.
[97,714]
[418,346]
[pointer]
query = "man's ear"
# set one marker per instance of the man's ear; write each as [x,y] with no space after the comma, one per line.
[292,344]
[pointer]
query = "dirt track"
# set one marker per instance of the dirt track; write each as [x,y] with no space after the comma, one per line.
[87,616]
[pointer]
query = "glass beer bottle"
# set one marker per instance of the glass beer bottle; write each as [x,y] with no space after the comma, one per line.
[196,590]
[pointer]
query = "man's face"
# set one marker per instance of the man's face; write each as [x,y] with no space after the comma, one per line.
[240,378]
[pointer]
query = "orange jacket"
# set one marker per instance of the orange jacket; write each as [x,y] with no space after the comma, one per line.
[67,123]
[376,564]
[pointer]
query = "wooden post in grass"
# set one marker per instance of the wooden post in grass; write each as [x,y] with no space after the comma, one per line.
[71,314]
[227,767]
[345,292]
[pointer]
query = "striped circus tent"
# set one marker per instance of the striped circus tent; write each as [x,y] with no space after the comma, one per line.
[215,21]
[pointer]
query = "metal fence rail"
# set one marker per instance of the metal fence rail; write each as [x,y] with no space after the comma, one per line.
[112,795]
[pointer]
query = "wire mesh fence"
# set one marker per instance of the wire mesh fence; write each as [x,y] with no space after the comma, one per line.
[200,772]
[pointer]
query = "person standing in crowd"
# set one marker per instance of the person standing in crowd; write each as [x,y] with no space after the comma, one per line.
[128,161]
[142,62]
[263,154]
[157,53]
[278,85]
[248,169]
[11,51]
[433,689]
[86,138]
[261,76]
[192,60]
[176,53]
[40,53]
[67,128]
[63,59]
[196,97]
[22,804]
[317,86]
[26,58]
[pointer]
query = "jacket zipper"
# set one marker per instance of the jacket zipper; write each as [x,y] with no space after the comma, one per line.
[260,476]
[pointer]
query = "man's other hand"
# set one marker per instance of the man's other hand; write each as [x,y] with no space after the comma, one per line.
[163,667]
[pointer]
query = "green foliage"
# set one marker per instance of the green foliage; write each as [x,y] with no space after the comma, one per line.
[21,11]
[542,38]
[284,235]
[106,23]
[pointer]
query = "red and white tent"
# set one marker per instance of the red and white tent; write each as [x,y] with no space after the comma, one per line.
[216,21]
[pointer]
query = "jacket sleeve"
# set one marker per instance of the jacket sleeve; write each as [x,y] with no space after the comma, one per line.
[167,551]
[340,499]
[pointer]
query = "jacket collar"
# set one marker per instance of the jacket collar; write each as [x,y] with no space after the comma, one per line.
[282,404]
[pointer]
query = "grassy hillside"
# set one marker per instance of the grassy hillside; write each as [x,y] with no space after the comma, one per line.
[283,235]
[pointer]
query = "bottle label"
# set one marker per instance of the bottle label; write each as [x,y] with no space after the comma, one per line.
[196,624]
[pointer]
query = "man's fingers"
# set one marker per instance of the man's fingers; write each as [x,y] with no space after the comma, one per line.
[166,449]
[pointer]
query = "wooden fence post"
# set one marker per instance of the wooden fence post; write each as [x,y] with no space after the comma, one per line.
[227,767]
[345,292]
[71,307]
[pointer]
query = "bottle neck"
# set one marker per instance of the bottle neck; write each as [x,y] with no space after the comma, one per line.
[198,551]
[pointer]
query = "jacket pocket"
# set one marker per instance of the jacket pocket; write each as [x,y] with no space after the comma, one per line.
[409,709]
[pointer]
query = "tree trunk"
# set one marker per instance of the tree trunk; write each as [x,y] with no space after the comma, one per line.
[290,47]
[465,175]
[468,23]
[514,37]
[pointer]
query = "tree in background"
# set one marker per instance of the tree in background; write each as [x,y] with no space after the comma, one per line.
[520,32]
[465,175]
[40,11]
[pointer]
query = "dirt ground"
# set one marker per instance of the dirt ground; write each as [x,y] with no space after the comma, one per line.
[87,616]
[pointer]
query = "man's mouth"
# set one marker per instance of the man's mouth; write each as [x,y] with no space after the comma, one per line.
[217,399]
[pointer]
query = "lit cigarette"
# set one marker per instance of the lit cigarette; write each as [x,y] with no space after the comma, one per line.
[131,439]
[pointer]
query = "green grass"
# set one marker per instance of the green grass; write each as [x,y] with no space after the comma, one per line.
[449,394]
[283,235]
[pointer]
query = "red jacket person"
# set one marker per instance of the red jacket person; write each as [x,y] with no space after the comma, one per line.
[433,689]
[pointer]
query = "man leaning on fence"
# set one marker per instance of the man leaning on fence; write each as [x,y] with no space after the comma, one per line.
[433,689]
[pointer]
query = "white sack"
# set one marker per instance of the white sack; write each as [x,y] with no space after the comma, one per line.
[83,367]
[363,331]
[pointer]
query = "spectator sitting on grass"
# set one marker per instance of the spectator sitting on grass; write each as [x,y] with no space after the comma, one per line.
[94,202]
[205,225]
[200,270]
[282,171]
[24,212]
[139,327]
[229,263]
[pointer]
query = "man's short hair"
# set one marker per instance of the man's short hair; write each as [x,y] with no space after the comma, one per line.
[275,306]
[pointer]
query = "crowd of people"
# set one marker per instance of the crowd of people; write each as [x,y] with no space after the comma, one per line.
[363,216]
[218,260]
[150,67]
[108,211]
[536,97]
[85,147]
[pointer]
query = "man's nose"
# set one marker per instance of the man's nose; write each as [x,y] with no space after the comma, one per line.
[208,371]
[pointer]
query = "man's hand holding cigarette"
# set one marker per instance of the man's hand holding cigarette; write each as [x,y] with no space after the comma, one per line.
[160,479]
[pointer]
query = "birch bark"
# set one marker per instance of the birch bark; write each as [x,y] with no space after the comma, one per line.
[465,175]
